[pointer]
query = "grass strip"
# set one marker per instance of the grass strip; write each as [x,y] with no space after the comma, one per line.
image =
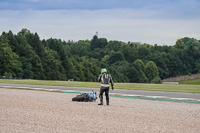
[128,86]
[191,82]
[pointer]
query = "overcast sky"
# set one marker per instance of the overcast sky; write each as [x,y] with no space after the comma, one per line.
[159,22]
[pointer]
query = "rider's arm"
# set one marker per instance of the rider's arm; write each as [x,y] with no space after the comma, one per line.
[99,78]
[111,81]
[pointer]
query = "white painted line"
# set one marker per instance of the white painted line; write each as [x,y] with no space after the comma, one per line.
[190,99]
[51,89]
[127,95]
[158,97]
[23,87]
[7,86]
[37,88]
[72,91]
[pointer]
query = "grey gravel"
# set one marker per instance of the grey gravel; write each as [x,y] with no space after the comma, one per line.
[27,111]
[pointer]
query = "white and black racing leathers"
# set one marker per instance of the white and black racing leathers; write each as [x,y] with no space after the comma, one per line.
[105,79]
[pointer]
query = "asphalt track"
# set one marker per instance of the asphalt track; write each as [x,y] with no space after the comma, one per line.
[116,92]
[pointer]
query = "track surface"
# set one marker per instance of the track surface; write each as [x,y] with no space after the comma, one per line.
[194,96]
[47,112]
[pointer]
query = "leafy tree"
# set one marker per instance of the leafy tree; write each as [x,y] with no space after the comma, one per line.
[143,51]
[94,42]
[179,44]
[9,61]
[12,41]
[113,46]
[77,72]
[162,61]
[136,72]
[31,62]
[8,75]
[27,69]
[4,38]
[141,77]
[156,80]
[34,41]
[128,52]
[102,42]
[139,64]
[80,48]
[132,74]
[105,59]
[197,64]
[115,57]
[52,66]
[24,55]
[90,69]
[151,70]
[98,43]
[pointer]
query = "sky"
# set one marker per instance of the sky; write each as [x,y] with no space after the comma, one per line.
[159,22]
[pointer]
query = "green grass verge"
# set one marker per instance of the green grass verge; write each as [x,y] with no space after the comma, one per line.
[191,82]
[129,86]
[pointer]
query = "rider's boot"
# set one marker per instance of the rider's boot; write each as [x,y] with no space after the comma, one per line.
[101,100]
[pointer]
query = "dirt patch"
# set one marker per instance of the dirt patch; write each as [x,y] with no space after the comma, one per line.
[47,112]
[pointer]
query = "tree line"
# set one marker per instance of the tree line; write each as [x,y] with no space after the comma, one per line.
[24,55]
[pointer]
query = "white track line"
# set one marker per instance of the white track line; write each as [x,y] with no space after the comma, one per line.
[23,87]
[37,88]
[7,86]
[51,90]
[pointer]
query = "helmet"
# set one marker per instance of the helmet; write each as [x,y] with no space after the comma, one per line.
[103,71]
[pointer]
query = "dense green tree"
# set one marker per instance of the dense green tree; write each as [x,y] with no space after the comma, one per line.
[151,71]
[81,48]
[27,69]
[105,59]
[139,64]
[128,52]
[30,60]
[12,41]
[34,41]
[162,61]
[133,74]
[98,42]
[77,72]
[94,42]
[4,38]
[90,69]
[9,61]
[115,57]
[113,45]
[118,74]
[143,51]
[179,44]
[24,55]
[197,64]
[141,77]
[53,68]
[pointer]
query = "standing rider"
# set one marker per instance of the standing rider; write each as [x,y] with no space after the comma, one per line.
[105,80]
